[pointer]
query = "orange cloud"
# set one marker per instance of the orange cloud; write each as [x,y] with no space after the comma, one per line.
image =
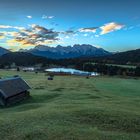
[110,27]
[2,37]
[35,35]
[19,44]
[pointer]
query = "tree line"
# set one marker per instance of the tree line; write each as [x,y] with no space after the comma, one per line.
[87,64]
[110,69]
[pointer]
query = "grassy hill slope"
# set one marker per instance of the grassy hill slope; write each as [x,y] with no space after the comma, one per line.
[74,108]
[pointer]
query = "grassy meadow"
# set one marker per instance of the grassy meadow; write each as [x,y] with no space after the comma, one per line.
[74,108]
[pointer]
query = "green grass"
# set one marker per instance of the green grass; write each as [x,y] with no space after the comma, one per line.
[74,108]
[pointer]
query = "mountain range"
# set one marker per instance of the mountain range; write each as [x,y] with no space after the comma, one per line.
[76,54]
[60,52]
[3,51]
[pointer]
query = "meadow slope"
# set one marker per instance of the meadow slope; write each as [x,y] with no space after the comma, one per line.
[74,108]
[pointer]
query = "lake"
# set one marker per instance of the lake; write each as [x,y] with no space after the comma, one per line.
[72,71]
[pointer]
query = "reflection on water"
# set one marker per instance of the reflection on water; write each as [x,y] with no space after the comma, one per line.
[71,71]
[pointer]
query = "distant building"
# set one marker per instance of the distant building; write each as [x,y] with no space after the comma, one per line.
[13,90]
[28,69]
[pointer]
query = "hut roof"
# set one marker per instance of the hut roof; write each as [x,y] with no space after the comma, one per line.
[12,86]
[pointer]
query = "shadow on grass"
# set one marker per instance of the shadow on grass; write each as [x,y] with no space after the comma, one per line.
[58,89]
[85,96]
[38,99]
[91,96]
[43,98]
[39,88]
[27,107]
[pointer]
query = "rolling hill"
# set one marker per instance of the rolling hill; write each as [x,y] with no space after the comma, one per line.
[132,56]
[21,58]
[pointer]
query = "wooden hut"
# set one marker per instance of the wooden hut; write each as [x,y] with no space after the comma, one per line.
[13,90]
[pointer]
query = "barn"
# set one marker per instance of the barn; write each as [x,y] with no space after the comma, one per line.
[13,90]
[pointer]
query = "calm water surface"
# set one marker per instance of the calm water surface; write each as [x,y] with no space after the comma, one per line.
[71,71]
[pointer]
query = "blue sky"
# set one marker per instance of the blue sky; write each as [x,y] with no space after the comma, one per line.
[111,24]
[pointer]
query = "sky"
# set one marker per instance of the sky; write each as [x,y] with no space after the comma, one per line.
[113,25]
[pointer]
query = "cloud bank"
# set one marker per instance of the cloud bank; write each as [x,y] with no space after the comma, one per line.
[31,36]
[35,34]
[106,28]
